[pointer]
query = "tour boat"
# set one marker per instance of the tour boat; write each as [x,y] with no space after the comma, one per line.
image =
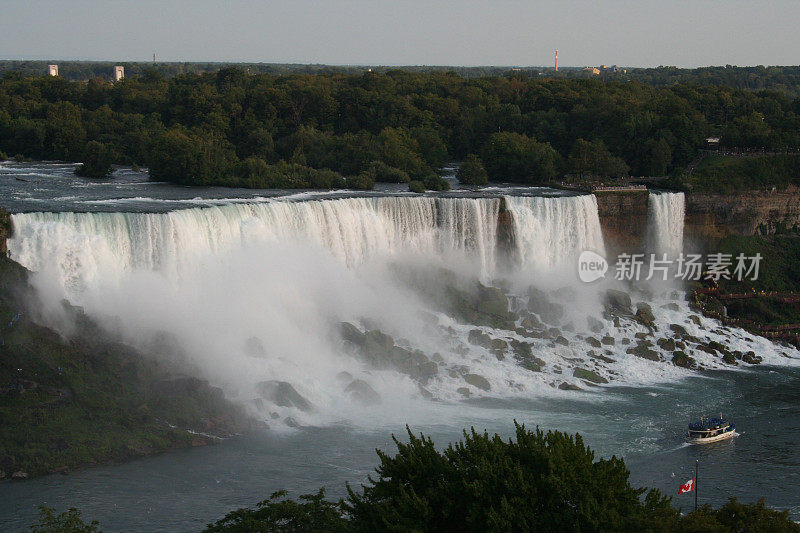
[710,430]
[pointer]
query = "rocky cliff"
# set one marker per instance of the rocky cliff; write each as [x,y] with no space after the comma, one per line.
[5,229]
[623,217]
[713,216]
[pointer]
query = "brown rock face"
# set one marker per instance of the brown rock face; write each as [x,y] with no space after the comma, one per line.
[713,216]
[5,229]
[623,218]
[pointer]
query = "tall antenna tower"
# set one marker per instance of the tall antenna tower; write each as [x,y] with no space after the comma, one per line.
[556,60]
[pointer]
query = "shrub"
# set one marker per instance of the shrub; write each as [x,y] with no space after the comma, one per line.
[434,182]
[416,186]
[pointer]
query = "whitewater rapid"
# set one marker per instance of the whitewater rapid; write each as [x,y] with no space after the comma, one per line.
[248,293]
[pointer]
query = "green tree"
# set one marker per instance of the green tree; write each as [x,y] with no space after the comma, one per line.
[592,157]
[96,161]
[519,158]
[471,171]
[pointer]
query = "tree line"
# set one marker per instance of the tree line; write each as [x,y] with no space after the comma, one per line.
[334,129]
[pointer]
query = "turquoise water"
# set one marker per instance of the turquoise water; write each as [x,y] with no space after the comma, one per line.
[184,490]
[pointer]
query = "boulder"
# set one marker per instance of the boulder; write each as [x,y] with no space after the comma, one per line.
[644,314]
[751,358]
[729,358]
[351,333]
[680,358]
[695,319]
[253,347]
[618,302]
[562,341]
[608,340]
[666,344]
[361,391]
[476,380]
[282,394]
[464,391]
[594,343]
[530,322]
[588,375]
[642,350]
[568,386]
[479,338]
[19,475]
[678,329]
[498,344]
[375,341]
[672,306]
[539,303]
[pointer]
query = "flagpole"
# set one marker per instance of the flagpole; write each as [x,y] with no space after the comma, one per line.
[696,463]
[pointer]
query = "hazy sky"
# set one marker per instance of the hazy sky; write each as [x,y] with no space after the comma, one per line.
[469,32]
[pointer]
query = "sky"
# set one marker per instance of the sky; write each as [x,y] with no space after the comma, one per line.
[376,32]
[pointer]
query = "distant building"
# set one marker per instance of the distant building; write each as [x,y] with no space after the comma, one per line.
[52,70]
[712,143]
[119,72]
[594,71]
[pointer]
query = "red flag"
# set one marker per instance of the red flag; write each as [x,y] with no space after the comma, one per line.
[686,487]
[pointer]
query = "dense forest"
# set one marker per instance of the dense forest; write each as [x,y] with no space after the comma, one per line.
[334,129]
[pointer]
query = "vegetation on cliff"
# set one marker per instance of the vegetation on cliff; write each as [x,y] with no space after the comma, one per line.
[66,403]
[728,174]
[344,129]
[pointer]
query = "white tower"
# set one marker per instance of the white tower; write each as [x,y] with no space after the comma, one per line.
[52,70]
[119,72]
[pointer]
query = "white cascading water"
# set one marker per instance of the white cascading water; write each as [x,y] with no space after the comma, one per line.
[252,292]
[550,233]
[665,225]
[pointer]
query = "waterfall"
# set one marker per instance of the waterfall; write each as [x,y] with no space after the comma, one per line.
[552,232]
[665,221]
[352,230]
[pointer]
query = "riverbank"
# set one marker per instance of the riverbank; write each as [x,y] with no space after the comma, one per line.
[68,403]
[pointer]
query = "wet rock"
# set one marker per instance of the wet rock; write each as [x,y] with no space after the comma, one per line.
[729,358]
[680,345]
[273,415]
[361,391]
[595,325]
[643,351]
[618,302]
[569,327]
[706,348]
[428,395]
[594,343]
[680,358]
[751,358]
[253,347]
[291,422]
[588,375]
[464,391]
[476,380]
[568,386]
[344,377]
[531,322]
[640,335]
[695,319]
[19,475]
[608,340]
[605,358]
[625,341]
[644,314]
[2,474]
[672,306]
[282,394]
[479,338]
[351,333]
[498,344]
[678,329]
[562,341]
[375,341]
[666,344]
[539,303]
[437,358]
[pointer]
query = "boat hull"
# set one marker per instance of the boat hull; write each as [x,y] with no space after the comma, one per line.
[707,440]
